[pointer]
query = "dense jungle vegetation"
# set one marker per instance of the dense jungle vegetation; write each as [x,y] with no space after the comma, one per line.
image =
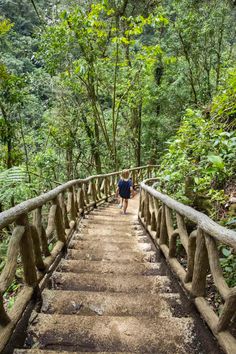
[93,86]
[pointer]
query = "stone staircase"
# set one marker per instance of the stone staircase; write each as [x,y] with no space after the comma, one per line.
[111,295]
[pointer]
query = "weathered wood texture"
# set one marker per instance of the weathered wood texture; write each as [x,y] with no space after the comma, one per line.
[29,243]
[181,227]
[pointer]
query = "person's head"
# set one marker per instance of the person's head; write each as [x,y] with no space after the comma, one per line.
[125,174]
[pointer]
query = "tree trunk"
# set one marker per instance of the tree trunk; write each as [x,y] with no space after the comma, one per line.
[96,151]
[94,146]
[69,163]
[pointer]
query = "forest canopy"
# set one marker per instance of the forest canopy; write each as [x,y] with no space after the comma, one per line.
[95,86]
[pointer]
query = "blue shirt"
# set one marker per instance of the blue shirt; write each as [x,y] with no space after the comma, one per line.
[124,188]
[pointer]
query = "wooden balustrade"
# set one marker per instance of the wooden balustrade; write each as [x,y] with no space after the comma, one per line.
[29,242]
[169,222]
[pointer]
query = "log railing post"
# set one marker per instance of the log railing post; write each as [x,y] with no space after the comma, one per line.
[201,266]
[109,186]
[80,198]
[106,188]
[191,256]
[37,250]
[60,230]
[64,211]
[93,192]
[98,188]
[71,204]
[37,222]
[75,201]
[114,184]
[133,177]
[85,190]
[26,250]
[163,227]
[229,310]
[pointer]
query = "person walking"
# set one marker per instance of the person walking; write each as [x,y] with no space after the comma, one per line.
[124,190]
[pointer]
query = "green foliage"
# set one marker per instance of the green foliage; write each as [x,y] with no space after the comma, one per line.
[14,186]
[199,162]
[228,264]
[5,26]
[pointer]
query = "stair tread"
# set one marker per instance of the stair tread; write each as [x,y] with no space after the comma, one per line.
[110,246]
[106,304]
[107,333]
[101,226]
[106,232]
[42,351]
[87,266]
[86,234]
[109,282]
[102,254]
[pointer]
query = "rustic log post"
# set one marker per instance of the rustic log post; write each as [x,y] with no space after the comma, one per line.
[37,222]
[102,187]
[163,228]
[140,202]
[214,263]
[81,203]
[26,250]
[106,188]
[140,174]
[116,178]
[89,191]
[98,188]
[201,266]
[75,200]
[159,213]
[85,190]
[153,222]
[71,204]
[147,215]
[133,177]
[169,221]
[51,221]
[183,234]
[37,250]
[9,270]
[4,318]
[172,243]
[191,256]
[109,186]
[64,211]
[93,193]
[60,230]
[229,310]
[113,186]
[149,171]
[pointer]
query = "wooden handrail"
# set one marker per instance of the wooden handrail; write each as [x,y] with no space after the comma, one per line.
[31,233]
[8,216]
[217,231]
[166,220]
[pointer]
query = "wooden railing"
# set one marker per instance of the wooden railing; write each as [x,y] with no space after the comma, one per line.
[169,222]
[48,220]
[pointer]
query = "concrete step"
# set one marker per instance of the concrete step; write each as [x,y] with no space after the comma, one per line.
[105,304]
[118,217]
[109,334]
[108,282]
[100,227]
[106,231]
[41,351]
[104,267]
[90,245]
[103,255]
[80,236]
